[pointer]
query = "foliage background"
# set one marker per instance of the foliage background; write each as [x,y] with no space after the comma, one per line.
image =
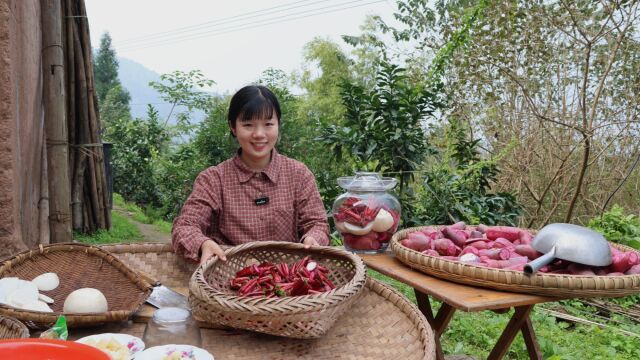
[519,112]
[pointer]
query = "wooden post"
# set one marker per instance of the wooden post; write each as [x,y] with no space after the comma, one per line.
[55,120]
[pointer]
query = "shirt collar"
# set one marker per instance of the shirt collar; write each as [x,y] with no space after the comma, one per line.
[245,173]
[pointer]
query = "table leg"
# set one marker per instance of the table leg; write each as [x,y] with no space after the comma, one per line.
[530,340]
[439,323]
[516,323]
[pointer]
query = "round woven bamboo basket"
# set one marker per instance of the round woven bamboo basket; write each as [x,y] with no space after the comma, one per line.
[302,317]
[11,328]
[381,324]
[554,285]
[78,266]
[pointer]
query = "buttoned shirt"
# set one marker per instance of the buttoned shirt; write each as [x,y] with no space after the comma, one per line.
[227,205]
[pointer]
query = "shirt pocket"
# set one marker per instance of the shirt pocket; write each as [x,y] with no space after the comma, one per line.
[282,226]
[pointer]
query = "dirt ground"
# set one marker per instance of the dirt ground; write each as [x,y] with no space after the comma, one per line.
[149,232]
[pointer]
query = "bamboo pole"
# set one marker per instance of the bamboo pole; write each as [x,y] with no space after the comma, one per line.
[55,119]
[84,134]
[104,216]
[70,78]
[76,159]
[87,176]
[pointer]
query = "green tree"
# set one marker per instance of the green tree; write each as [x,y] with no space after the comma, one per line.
[212,140]
[383,128]
[137,144]
[105,68]
[184,89]
[325,67]
[458,184]
[115,105]
[560,76]
[190,146]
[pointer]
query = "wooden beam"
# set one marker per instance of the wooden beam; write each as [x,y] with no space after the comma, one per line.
[55,120]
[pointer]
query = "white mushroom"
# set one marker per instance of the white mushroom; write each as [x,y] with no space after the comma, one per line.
[47,281]
[37,306]
[7,286]
[26,293]
[383,221]
[45,298]
[85,300]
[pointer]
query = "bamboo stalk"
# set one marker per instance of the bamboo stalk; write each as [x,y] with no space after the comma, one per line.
[84,136]
[104,215]
[55,119]
[76,159]
[97,159]
[77,203]
[70,78]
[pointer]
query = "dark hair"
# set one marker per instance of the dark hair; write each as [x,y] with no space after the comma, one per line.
[253,102]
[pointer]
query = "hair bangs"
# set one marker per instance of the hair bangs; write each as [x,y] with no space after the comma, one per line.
[258,108]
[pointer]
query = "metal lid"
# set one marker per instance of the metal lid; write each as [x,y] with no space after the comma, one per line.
[366,181]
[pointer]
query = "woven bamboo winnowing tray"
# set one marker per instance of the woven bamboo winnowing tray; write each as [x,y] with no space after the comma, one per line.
[11,328]
[302,317]
[554,285]
[381,324]
[78,266]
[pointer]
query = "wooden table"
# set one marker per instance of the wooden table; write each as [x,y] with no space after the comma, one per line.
[462,297]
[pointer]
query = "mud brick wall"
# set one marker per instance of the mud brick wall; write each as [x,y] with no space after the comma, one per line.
[23,189]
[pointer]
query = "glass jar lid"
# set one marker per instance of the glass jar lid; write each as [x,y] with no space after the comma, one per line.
[367,181]
[171,315]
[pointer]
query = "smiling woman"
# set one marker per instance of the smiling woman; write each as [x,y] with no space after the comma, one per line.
[259,113]
[257,195]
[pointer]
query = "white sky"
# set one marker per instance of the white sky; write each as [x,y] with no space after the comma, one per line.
[225,52]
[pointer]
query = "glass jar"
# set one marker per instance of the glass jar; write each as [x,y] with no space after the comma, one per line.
[172,325]
[367,215]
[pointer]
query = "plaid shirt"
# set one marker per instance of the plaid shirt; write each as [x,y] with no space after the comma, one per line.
[222,206]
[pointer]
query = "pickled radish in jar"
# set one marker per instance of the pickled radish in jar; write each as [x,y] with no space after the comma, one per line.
[366,215]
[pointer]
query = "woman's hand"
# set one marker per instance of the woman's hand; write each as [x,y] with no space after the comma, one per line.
[208,249]
[309,241]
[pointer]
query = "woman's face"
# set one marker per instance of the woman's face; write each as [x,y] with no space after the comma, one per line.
[257,138]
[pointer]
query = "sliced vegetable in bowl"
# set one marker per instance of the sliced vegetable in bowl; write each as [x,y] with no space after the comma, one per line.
[118,346]
[174,352]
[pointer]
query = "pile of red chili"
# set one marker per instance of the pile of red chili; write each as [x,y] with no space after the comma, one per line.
[304,277]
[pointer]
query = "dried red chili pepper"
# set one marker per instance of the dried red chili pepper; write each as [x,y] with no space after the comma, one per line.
[304,277]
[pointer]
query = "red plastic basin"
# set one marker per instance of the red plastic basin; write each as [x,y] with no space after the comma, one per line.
[45,349]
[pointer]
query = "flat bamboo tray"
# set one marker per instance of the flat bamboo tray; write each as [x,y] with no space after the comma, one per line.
[78,266]
[11,328]
[554,285]
[381,324]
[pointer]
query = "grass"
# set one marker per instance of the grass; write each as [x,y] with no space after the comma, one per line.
[145,216]
[121,231]
[476,333]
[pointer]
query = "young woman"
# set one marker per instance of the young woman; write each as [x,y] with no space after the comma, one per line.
[256,195]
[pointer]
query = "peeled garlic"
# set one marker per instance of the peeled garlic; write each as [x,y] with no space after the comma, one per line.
[383,221]
[47,281]
[85,300]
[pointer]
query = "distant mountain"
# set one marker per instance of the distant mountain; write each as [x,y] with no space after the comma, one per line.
[135,77]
